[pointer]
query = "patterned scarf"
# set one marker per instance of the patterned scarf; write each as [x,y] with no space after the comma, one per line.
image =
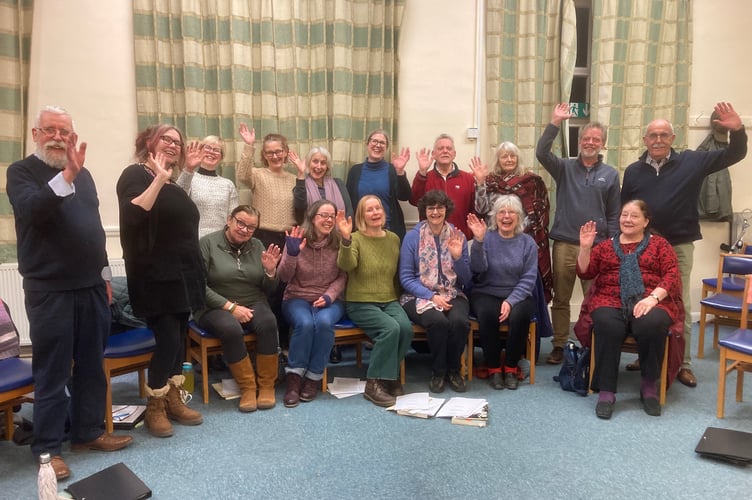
[331,192]
[429,260]
[631,286]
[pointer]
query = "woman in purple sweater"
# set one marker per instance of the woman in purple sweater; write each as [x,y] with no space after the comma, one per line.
[311,303]
[504,263]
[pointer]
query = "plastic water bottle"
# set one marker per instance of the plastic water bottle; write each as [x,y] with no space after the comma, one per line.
[46,479]
[188,384]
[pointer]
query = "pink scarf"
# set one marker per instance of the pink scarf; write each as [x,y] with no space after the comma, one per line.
[331,192]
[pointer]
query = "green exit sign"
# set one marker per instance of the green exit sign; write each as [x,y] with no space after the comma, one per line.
[579,109]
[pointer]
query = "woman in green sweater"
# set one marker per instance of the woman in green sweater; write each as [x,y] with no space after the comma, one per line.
[371,257]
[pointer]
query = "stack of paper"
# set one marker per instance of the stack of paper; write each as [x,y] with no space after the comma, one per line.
[228,388]
[343,387]
[466,411]
[417,404]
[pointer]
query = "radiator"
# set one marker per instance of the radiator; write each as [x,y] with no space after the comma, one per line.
[11,291]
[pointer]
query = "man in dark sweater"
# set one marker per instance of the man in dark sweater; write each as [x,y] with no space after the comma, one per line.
[669,182]
[63,261]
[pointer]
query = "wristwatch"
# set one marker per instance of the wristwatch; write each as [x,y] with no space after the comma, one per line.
[655,296]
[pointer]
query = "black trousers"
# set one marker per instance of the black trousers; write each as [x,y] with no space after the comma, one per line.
[611,328]
[487,309]
[224,326]
[170,331]
[447,333]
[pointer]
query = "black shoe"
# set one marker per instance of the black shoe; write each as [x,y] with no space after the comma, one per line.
[335,356]
[497,381]
[436,384]
[510,380]
[604,409]
[456,382]
[651,406]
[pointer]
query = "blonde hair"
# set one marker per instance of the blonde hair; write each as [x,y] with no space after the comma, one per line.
[360,216]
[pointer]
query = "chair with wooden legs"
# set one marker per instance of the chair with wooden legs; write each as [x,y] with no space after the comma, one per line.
[736,352]
[16,382]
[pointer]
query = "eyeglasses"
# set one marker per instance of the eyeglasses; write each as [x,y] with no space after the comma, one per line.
[326,216]
[438,208]
[212,149]
[280,153]
[243,226]
[52,131]
[377,142]
[654,136]
[171,140]
[507,212]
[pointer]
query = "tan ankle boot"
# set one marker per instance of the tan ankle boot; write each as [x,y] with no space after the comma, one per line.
[176,408]
[267,367]
[155,419]
[246,379]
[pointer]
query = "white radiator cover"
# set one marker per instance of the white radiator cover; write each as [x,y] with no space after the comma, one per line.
[11,291]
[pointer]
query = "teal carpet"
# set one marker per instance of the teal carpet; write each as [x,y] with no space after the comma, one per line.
[541,442]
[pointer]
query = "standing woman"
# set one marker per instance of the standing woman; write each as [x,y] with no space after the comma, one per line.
[371,257]
[434,270]
[318,183]
[509,177]
[215,196]
[387,181]
[312,301]
[271,186]
[241,272]
[504,265]
[166,277]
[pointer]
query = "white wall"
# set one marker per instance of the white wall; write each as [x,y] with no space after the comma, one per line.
[82,59]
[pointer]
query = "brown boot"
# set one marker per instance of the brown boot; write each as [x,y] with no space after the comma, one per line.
[267,366]
[176,408]
[294,383]
[155,419]
[377,394]
[246,379]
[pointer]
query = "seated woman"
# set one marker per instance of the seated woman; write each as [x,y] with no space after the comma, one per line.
[504,262]
[371,257]
[434,270]
[637,283]
[240,275]
[312,304]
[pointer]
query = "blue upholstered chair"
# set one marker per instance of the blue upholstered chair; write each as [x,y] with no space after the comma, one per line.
[725,307]
[736,352]
[126,352]
[16,381]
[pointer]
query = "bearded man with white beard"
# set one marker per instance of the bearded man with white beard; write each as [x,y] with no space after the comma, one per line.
[63,261]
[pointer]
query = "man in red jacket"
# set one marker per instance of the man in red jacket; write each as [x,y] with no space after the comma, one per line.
[444,175]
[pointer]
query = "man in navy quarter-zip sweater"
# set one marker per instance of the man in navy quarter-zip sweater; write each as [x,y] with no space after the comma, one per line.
[63,261]
[669,182]
[586,189]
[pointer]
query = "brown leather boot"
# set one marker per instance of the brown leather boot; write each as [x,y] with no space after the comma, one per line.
[267,367]
[246,379]
[377,394]
[294,383]
[155,418]
[176,407]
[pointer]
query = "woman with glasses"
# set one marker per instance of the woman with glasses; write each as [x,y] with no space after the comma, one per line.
[370,257]
[166,278]
[312,301]
[434,271]
[213,194]
[504,266]
[241,273]
[271,186]
[385,180]
[509,177]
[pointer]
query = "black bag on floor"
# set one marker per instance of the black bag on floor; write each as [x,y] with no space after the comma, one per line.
[574,375]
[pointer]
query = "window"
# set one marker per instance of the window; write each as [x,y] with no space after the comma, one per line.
[580,92]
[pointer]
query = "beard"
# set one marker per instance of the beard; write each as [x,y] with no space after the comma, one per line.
[55,158]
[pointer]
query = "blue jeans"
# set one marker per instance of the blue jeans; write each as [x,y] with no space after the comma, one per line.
[312,335]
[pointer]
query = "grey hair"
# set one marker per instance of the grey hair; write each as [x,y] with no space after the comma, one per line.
[322,151]
[508,201]
[509,147]
[55,110]
[443,136]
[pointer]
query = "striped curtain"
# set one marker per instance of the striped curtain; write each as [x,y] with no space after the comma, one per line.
[15,44]
[641,67]
[321,72]
[531,48]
